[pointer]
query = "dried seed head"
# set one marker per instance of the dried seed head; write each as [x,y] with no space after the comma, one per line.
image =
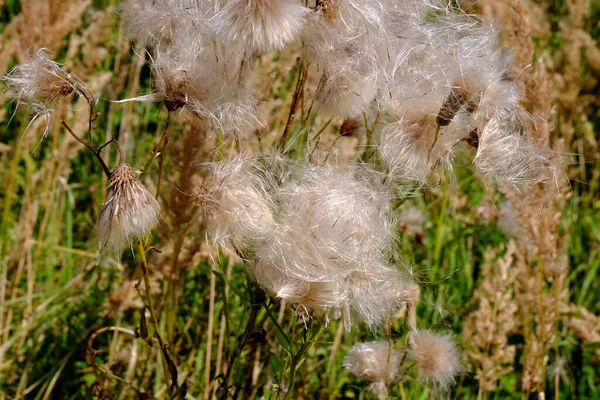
[39,83]
[452,104]
[329,9]
[130,211]
[375,362]
[411,221]
[435,355]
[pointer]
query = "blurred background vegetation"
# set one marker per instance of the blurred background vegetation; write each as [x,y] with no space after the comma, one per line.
[513,277]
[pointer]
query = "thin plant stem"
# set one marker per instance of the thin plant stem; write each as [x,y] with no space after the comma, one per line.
[209,330]
[302,74]
[160,164]
[160,145]
[255,307]
[331,366]
[154,318]
[81,89]
[297,359]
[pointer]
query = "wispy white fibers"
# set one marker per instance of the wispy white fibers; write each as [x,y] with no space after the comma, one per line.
[504,155]
[315,236]
[376,362]
[435,355]
[447,87]
[191,68]
[237,209]
[39,84]
[330,248]
[150,22]
[258,25]
[347,41]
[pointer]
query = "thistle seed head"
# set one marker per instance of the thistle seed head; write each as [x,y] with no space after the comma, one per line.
[376,362]
[435,355]
[129,213]
[259,25]
[39,83]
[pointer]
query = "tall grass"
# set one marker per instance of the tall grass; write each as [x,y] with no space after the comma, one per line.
[517,287]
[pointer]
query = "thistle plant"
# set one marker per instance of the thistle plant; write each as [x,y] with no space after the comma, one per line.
[426,80]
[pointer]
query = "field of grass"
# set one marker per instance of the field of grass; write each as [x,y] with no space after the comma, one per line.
[512,274]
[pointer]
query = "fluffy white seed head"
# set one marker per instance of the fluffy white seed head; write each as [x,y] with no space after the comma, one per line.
[151,22]
[346,39]
[129,213]
[205,81]
[258,25]
[236,207]
[376,362]
[376,293]
[435,355]
[39,83]
[328,252]
[405,149]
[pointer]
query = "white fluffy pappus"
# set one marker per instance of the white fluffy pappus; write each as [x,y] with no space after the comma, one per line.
[405,150]
[376,362]
[237,209]
[505,155]
[258,25]
[39,84]
[329,250]
[151,22]
[435,355]
[346,39]
[129,212]
[204,79]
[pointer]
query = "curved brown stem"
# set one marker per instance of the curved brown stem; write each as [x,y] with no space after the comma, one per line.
[89,146]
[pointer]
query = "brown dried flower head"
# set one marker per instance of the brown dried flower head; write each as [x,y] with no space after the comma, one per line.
[130,211]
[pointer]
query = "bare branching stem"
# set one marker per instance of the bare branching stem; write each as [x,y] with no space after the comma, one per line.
[90,146]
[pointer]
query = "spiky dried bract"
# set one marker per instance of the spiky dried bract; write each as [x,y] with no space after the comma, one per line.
[435,355]
[376,362]
[129,213]
[39,83]
[258,25]
[236,207]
